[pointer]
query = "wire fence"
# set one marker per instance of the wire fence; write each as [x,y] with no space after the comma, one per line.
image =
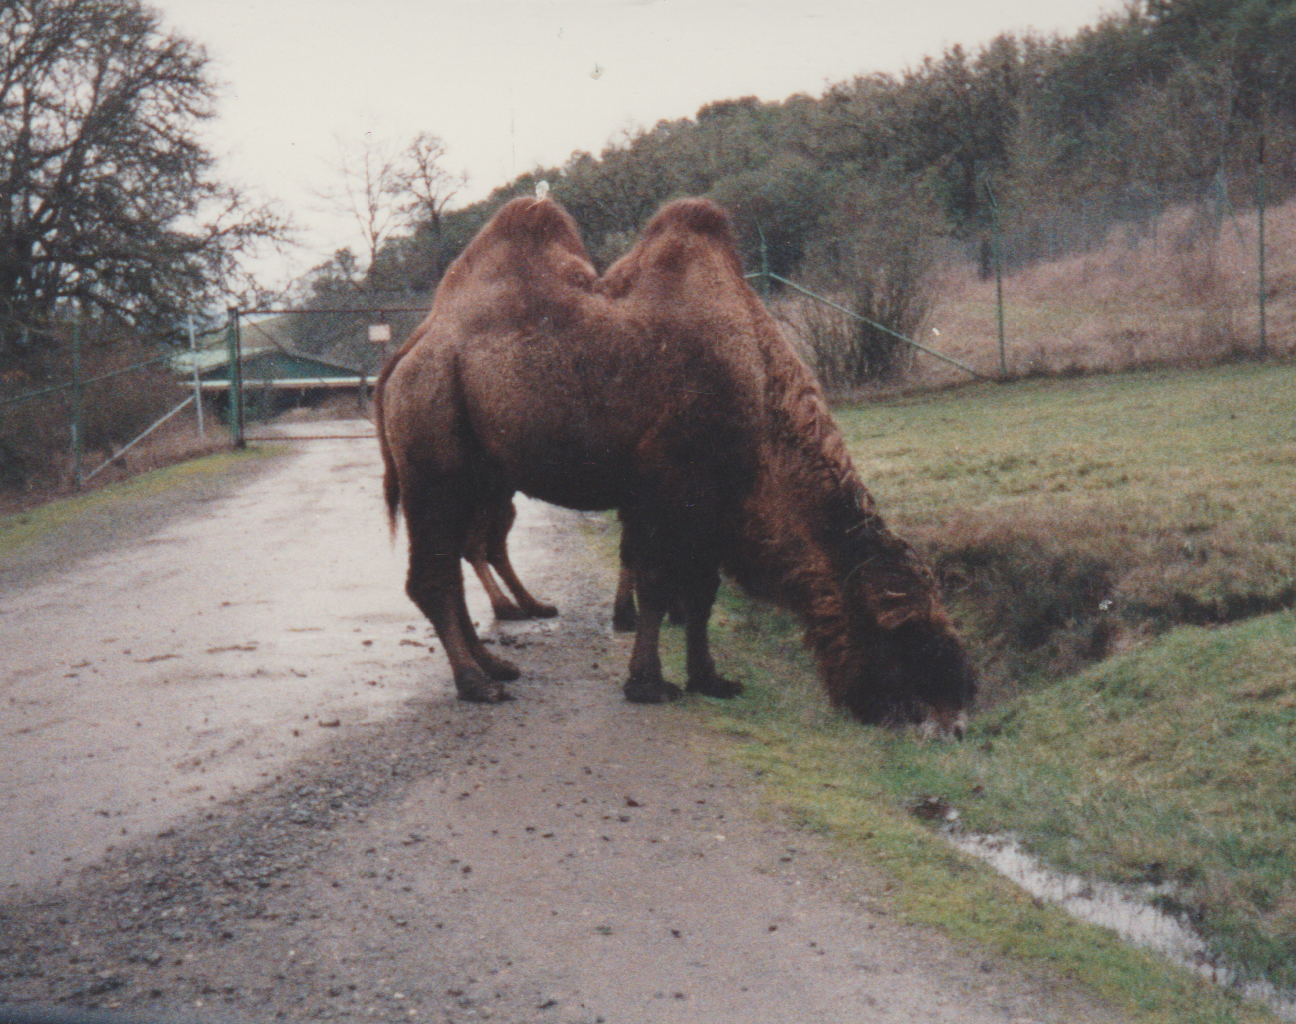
[1135,272]
[107,401]
[1126,276]
[293,356]
[258,363]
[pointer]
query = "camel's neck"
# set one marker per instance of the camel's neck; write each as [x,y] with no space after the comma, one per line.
[812,539]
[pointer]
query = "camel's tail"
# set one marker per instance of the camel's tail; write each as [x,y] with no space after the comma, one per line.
[391,480]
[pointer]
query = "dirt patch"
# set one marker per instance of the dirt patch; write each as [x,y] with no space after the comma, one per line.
[565,857]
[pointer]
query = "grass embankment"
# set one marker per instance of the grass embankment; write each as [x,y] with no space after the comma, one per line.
[1112,546]
[89,519]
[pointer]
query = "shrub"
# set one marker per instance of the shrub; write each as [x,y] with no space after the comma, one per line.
[878,262]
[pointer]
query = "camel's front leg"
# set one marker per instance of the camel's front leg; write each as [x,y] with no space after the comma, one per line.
[698,598]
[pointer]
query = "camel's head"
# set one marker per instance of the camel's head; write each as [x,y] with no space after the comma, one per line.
[900,660]
[917,673]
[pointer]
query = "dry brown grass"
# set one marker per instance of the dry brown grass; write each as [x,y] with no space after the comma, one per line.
[338,407]
[175,441]
[1182,294]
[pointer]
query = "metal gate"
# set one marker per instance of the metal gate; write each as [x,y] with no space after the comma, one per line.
[281,357]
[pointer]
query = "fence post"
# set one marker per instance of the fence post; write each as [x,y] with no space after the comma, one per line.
[999,301]
[1260,214]
[198,404]
[235,379]
[78,402]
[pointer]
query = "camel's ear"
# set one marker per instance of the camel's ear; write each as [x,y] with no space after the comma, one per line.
[892,609]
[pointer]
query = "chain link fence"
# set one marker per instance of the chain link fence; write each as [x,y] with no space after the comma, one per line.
[82,402]
[323,358]
[1125,275]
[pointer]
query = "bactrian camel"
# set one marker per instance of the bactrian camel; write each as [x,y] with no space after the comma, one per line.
[662,389]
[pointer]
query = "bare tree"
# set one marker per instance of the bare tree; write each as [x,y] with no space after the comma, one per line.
[370,191]
[427,188]
[106,194]
[385,191]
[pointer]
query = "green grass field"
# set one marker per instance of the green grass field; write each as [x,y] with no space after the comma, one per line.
[1119,551]
[1071,519]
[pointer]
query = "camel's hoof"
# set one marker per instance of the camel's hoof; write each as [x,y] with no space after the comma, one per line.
[498,668]
[474,685]
[624,620]
[716,686]
[540,611]
[656,692]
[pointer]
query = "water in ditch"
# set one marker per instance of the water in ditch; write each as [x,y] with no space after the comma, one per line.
[1123,909]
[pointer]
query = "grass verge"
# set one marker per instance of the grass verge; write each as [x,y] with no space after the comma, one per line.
[1121,554]
[1132,771]
[1072,520]
[83,519]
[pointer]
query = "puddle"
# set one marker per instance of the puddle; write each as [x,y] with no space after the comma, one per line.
[1124,910]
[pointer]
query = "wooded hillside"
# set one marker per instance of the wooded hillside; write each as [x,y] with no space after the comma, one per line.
[1028,149]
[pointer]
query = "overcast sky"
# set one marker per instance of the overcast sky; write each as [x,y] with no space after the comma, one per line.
[512,84]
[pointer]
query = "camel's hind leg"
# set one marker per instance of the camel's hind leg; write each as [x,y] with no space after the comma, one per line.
[504,609]
[486,546]
[435,585]
[476,549]
[501,522]
[496,667]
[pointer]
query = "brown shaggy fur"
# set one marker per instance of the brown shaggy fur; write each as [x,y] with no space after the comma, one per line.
[664,390]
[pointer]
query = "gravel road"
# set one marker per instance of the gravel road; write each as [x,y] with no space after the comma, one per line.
[235,785]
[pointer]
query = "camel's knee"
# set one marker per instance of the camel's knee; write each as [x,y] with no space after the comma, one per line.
[433,581]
